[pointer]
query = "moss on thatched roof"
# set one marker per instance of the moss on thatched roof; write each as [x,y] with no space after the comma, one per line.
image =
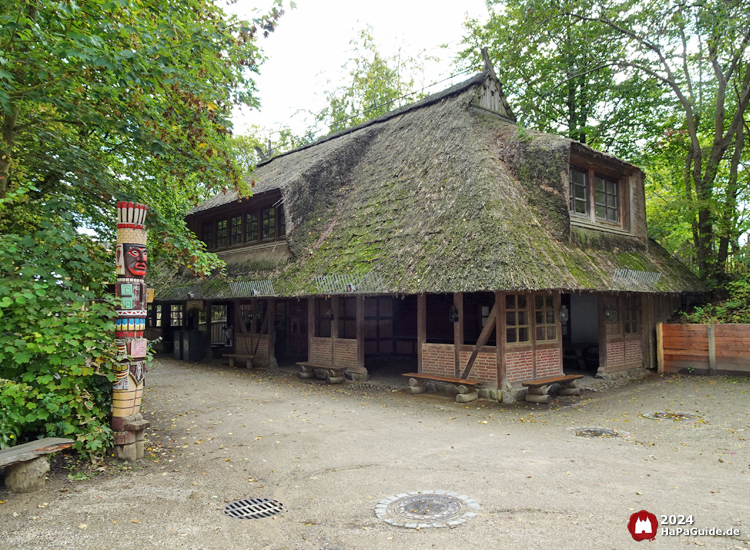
[442,197]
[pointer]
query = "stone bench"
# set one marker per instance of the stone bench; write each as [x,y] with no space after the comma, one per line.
[334,375]
[26,465]
[538,388]
[248,359]
[466,388]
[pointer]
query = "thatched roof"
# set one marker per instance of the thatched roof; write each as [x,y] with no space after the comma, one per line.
[441,196]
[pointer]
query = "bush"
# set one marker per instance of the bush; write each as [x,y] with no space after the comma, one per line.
[56,334]
[736,309]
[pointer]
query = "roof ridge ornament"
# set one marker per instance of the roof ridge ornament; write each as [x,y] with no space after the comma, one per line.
[505,108]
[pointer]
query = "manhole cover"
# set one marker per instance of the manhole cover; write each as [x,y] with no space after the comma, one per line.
[253,508]
[423,509]
[595,432]
[675,416]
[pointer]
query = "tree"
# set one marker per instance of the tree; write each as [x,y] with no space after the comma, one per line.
[690,56]
[377,84]
[561,75]
[124,99]
[102,101]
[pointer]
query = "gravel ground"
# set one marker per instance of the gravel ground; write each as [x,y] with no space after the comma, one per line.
[331,453]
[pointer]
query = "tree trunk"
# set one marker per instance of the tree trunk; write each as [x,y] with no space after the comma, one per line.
[6,148]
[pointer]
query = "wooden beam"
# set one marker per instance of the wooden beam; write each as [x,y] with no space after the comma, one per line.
[458,331]
[271,330]
[334,327]
[360,332]
[263,328]
[421,328]
[602,329]
[711,349]
[253,321]
[240,322]
[500,343]
[558,325]
[310,326]
[483,337]
[659,349]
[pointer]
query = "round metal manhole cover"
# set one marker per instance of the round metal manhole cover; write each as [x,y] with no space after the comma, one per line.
[596,432]
[674,416]
[254,508]
[423,509]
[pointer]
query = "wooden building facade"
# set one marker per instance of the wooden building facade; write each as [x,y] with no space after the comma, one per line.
[438,237]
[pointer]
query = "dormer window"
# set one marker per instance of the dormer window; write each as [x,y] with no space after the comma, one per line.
[607,200]
[595,197]
[579,192]
[246,226]
[269,223]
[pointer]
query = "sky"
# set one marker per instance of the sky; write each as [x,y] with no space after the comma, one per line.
[311,44]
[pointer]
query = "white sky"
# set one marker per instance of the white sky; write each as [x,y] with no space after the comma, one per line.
[311,44]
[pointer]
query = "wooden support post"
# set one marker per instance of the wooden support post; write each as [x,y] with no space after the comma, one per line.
[483,337]
[207,333]
[272,332]
[602,329]
[421,328]
[500,343]
[334,327]
[711,349]
[458,331]
[659,348]
[648,332]
[360,333]
[310,327]
[240,328]
[253,322]
[558,324]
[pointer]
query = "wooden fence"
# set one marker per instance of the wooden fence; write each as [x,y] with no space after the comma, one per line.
[703,349]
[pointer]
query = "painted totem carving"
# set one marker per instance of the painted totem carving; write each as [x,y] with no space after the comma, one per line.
[130,291]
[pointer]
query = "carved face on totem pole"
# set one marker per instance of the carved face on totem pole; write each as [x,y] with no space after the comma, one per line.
[135,260]
[132,260]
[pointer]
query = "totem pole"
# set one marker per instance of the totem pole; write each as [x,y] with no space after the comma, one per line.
[130,290]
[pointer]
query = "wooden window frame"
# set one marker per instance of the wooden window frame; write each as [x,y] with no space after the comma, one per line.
[176,313]
[322,319]
[244,227]
[271,226]
[606,182]
[592,175]
[549,315]
[613,327]
[632,315]
[249,226]
[209,234]
[236,236]
[516,326]
[222,233]
[347,317]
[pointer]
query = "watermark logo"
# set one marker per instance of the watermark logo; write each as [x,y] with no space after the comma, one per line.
[643,525]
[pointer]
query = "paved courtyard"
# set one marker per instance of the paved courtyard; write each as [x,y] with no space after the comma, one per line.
[330,454]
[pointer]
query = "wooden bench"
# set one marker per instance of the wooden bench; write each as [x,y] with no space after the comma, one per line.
[466,388]
[26,464]
[233,356]
[334,375]
[538,388]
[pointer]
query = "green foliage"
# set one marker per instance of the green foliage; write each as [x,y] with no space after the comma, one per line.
[561,75]
[377,84]
[56,323]
[126,100]
[736,309]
